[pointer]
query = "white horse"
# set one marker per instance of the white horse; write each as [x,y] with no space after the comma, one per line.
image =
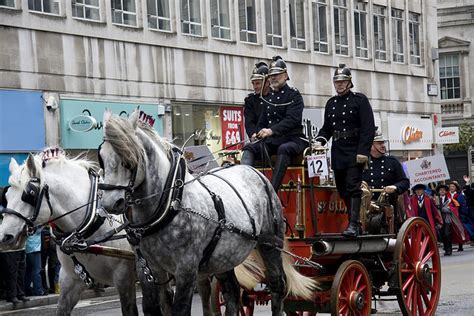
[178,228]
[69,186]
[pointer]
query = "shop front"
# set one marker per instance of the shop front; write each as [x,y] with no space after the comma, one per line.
[410,137]
[81,121]
[22,127]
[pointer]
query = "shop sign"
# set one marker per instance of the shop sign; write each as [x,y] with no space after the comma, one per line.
[81,120]
[447,135]
[82,123]
[22,127]
[427,169]
[232,127]
[415,135]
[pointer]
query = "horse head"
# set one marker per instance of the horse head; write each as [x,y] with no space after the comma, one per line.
[134,158]
[34,186]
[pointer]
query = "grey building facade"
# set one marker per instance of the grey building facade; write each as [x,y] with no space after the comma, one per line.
[194,57]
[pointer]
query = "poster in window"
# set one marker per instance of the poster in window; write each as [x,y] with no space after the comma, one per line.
[232,126]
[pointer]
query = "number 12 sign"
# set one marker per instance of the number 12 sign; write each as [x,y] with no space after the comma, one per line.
[317,166]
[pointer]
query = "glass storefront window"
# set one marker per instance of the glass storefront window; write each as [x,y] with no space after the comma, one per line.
[202,120]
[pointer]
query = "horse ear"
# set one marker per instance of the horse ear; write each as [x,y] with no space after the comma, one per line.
[134,118]
[13,165]
[30,164]
[106,117]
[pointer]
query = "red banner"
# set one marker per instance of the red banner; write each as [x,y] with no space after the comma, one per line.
[232,125]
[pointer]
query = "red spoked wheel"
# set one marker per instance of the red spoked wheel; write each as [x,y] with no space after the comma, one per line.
[247,302]
[417,268]
[351,291]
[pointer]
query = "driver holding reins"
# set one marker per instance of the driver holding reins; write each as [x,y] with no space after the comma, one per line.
[280,126]
[349,120]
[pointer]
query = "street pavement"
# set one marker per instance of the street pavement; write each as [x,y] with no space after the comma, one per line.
[457,295]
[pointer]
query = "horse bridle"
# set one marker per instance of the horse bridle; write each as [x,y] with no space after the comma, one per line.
[129,189]
[32,195]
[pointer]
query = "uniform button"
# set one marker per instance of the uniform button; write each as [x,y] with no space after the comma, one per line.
[343,121]
[268,114]
[278,98]
[347,98]
[278,120]
[371,173]
[344,129]
[343,113]
[270,100]
[382,160]
[350,111]
[274,112]
[261,102]
[345,137]
[371,180]
[384,167]
[283,91]
[333,115]
[334,123]
[273,93]
[335,101]
[382,180]
[345,105]
[268,107]
[382,172]
[333,108]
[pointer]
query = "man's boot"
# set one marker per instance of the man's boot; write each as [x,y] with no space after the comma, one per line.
[353,228]
[279,172]
[248,158]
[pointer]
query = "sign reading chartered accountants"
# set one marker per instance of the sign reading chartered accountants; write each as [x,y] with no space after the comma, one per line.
[81,120]
[407,133]
[427,169]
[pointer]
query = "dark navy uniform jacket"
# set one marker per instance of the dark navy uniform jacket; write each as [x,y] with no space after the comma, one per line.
[385,171]
[252,109]
[283,114]
[344,114]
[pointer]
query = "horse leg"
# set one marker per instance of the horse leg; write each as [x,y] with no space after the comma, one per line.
[204,289]
[71,289]
[275,275]
[158,295]
[185,283]
[125,284]
[231,292]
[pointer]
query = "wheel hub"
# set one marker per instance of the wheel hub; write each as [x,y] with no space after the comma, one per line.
[357,301]
[423,272]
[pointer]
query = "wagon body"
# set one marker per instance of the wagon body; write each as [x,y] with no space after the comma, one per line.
[403,265]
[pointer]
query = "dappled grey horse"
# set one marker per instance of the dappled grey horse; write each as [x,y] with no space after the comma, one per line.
[67,183]
[176,217]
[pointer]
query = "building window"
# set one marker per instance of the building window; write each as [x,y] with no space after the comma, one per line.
[397,35]
[191,17]
[247,21]
[45,6]
[340,27]
[220,19]
[297,34]
[320,30]
[158,12]
[7,3]
[414,34]
[449,77]
[273,23]
[380,47]
[124,12]
[86,9]
[360,29]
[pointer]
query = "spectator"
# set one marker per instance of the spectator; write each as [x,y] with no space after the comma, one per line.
[457,194]
[452,230]
[33,265]
[424,206]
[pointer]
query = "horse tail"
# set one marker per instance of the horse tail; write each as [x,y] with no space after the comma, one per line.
[297,284]
[251,271]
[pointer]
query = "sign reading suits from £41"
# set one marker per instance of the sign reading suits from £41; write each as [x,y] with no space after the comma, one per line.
[427,169]
[447,135]
[232,126]
[81,120]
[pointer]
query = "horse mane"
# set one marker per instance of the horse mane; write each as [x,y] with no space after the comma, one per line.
[120,133]
[39,163]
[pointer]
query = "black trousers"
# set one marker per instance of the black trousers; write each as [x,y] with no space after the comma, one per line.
[293,147]
[348,182]
[12,271]
[447,235]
